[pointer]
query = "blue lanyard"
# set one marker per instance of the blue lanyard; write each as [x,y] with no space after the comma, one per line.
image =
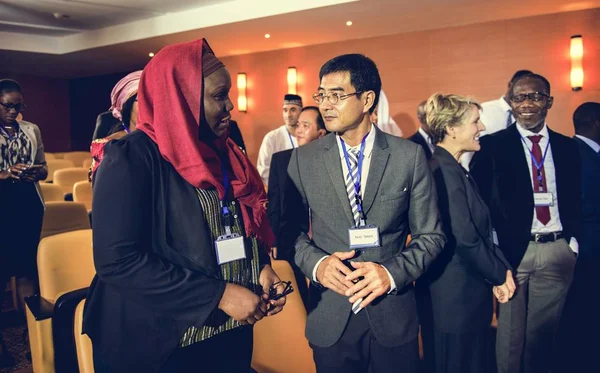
[125,128]
[537,165]
[291,141]
[224,209]
[361,157]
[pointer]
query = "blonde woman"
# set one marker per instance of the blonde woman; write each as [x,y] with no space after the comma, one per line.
[458,287]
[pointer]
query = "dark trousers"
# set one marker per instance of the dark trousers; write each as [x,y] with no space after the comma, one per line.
[229,352]
[358,351]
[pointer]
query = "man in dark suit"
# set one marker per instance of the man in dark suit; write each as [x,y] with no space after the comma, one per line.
[366,191]
[530,177]
[422,136]
[282,194]
[579,322]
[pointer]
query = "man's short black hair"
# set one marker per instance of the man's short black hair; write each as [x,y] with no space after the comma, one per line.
[517,75]
[534,76]
[320,121]
[586,116]
[364,75]
[9,85]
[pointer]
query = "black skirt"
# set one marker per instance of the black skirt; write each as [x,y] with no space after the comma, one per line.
[21,214]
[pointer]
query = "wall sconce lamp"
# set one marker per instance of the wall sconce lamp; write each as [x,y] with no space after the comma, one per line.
[242,100]
[576,64]
[291,80]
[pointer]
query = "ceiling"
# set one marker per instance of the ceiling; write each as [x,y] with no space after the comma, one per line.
[75,38]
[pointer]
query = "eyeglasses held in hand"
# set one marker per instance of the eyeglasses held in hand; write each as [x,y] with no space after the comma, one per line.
[533,96]
[18,107]
[332,97]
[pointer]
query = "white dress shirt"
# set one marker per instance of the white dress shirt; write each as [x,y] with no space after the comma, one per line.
[275,141]
[591,143]
[427,139]
[554,225]
[369,142]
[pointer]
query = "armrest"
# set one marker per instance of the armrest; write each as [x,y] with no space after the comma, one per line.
[65,351]
[39,307]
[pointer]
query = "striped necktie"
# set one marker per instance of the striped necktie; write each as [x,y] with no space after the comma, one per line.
[509,119]
[350,182]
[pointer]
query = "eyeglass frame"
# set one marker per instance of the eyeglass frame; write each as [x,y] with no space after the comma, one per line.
[339,97]
[529,96]
[9,107]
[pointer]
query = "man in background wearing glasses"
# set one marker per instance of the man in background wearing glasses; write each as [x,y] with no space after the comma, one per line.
[366,191]
[530,177]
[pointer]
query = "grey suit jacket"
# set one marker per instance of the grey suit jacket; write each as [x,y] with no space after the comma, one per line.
[400,199]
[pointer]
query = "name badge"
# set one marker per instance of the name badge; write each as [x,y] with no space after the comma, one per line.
[543,199]
[364,237]
[230,247]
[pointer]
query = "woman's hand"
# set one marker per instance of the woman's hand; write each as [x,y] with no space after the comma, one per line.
[505,291]
[6,175]
[35,173]
[266,279]
[242,304]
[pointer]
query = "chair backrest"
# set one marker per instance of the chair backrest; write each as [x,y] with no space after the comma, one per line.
[56,164]
[52,193]
[61,217]
[82,192]
[83,343]
[65,263]
[279,341]
[49,155]
[67,177]
[77,157]
[87,163]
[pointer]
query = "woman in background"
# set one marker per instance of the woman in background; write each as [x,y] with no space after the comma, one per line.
[123,100]
[22,166]
[457,311]
[180,230]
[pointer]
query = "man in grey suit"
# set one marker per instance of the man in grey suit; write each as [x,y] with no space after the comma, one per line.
[366,191]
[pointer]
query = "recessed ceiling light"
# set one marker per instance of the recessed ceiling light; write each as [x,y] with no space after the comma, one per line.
[349,23]
[150,54]
[267,36]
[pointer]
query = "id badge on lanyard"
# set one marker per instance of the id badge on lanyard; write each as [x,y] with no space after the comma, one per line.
[541,197]
[230,246]
[361,236]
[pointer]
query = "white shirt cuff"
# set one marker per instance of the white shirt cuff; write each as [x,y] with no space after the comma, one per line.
[314,272]
[392,282]
[574,245]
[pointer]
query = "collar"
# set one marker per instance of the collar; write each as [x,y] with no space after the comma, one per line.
[525,133]
[591,143]
[425,135]
[369,141]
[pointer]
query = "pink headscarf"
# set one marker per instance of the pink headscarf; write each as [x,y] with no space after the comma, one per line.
[122,91]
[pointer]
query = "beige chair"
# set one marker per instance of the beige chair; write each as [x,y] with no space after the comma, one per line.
[87,163]
[61,217]
[65,266]
[279,341]
[52,192]
[77,157]
[56,164]
[49,155]
[82,192]
[67,177]
[83,343]
[59,155]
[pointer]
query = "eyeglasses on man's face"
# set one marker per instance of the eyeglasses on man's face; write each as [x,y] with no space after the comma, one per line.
[18,107]
[332,97]
[533,96]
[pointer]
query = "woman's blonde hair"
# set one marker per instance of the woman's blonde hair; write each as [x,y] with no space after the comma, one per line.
[443,111]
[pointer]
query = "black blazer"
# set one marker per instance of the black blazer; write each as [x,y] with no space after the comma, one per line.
[157,272]
[589,247]
[502,173]
[417,138]
[461,278]
[285,206]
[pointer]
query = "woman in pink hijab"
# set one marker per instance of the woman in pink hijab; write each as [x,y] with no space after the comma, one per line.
[123,99]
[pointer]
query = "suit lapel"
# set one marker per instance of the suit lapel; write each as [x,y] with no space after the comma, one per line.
[379,159]
[333,163]
[518,161]
[561,166]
